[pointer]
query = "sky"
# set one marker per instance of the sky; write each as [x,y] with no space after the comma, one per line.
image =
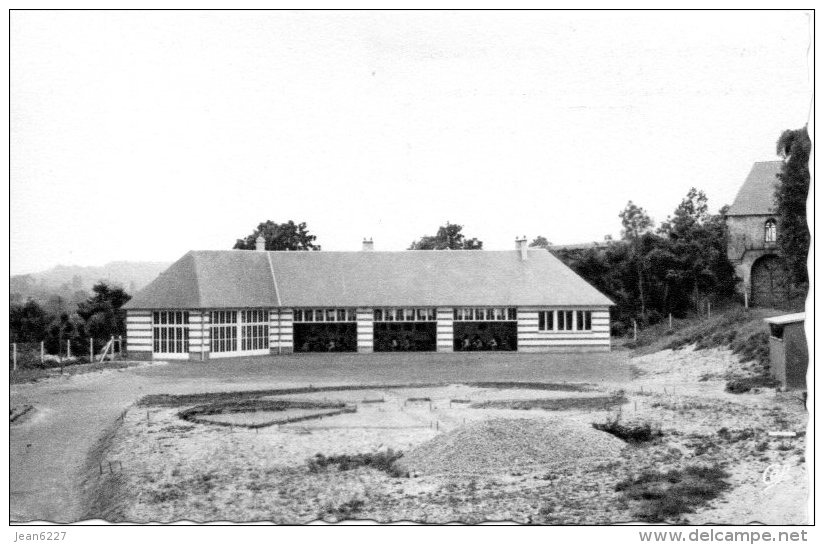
[142,135]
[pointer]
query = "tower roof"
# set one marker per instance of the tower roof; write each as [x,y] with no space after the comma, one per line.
[757,195]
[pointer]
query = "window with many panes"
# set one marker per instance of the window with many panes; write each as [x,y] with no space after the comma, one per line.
[170,331]
[565,320]
[254,329]
[404,315]
[485,314]
[324,315]
[224,331]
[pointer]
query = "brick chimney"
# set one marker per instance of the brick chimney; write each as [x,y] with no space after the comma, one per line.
[368,245]
[520,245]
[260,243]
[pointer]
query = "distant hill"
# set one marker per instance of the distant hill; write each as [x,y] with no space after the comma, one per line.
[131,275]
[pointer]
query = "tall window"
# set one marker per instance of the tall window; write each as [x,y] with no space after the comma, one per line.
[564,320]
[770,231]
[546,320]
[254,330]
[170,331]
[584,320]
[239,331]
[224,331]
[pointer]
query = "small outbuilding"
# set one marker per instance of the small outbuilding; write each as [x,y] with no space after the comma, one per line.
[788,350]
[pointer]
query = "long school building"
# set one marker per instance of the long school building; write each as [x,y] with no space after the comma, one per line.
[220,304]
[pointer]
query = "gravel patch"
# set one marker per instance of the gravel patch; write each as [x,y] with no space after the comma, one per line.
[507,444]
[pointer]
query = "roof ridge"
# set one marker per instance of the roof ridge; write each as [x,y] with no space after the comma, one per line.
[274,279]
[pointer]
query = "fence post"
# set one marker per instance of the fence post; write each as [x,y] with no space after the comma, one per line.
[746,297]
[709,310]
[91,349]
[670,318]
[112,348]
[42,351]
[14,355]
[634,330]
[69,348]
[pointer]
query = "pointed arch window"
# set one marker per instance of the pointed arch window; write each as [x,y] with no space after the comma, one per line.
[770,231]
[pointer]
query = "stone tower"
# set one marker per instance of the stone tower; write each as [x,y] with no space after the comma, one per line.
[752,229]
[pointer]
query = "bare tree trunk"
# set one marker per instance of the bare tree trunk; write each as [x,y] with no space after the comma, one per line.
[641,288]
[697,300]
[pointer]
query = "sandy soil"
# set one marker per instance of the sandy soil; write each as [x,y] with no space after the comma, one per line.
[167,461]
[202,472]
[769,474]
[174,470]
[48,452]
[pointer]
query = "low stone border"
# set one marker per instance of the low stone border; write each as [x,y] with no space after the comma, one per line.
[195,414]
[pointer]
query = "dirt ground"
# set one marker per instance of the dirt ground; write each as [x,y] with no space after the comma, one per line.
[163,468]
[48,450]
[175,471]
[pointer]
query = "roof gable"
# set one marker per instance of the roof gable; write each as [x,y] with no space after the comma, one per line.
[241,278]
[757,195]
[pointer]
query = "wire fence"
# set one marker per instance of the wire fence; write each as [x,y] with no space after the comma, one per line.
[60,353]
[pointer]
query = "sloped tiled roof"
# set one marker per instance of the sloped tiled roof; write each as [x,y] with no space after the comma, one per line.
[242,278]
[757,195]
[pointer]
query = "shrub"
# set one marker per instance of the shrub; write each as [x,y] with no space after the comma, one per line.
[618,328]
[741,385]
[631,433]
[734,436]
[344,511]
[666,495]
[382,461]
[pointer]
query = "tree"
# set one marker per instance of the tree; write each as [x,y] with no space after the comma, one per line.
[672,270]
[691,262]
[691,213]
[449,237]
[102,313]
[635,223]
[791,201]
[27,322]
[65,327]
[280,236]
[540,242]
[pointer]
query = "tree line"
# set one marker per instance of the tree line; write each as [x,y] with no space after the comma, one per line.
[673,268]
[99,317]
[652,271]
